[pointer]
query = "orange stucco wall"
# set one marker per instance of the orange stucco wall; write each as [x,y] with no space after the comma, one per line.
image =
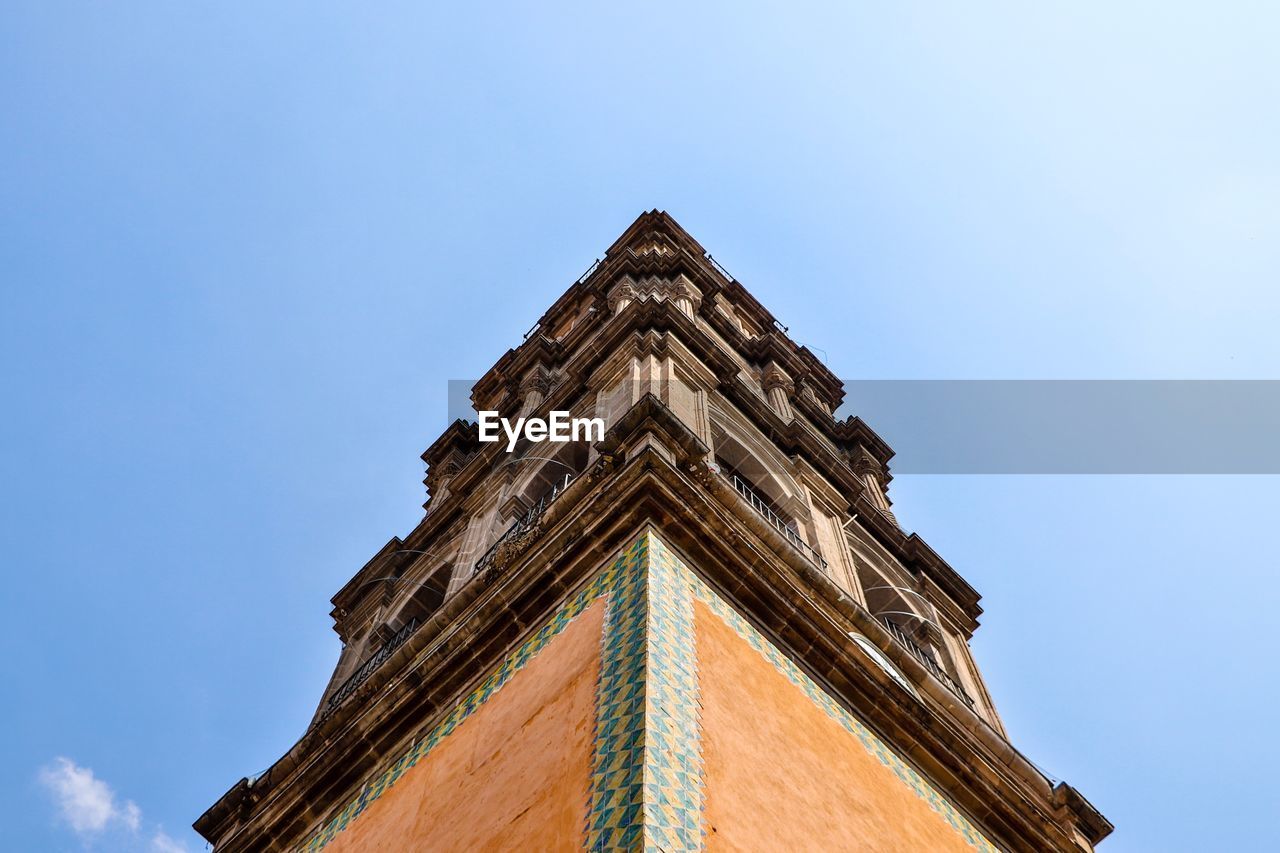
[782,775]
[515,775]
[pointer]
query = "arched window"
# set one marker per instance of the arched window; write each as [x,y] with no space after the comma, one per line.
[547,471]
[729,470]
[740,454]
[743,459]
[423,597]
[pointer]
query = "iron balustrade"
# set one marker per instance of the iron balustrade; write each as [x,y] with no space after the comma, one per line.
[361,675]
[716,265]
[523,525]
[926,657]
[591,269]
[760,506]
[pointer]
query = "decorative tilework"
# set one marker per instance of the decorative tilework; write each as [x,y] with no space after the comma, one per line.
[615,812]
[837,712]
[647,787]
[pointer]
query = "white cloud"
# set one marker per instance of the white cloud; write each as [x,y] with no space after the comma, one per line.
[91,808]
[131,815]
[162,843]
[85,802]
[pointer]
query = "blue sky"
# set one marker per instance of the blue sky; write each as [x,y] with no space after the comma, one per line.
[244,246]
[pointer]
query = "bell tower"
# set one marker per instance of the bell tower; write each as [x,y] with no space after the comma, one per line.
[704,630]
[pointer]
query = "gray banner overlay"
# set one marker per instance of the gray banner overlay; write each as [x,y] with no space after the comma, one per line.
[1059,426]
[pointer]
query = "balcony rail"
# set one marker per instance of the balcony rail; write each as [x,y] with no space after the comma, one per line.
[522,526]
[741,487]
[591,269]
[926,657]
[716,265]
[361,675]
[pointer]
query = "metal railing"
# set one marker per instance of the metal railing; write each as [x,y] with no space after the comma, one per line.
[759,505]
[361,675]
[925,657]
[717,267]
[523,525]
[595,265]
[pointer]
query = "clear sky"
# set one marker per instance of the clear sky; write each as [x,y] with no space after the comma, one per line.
[243,247]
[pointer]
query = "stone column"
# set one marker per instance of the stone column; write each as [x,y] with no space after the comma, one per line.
[685,296]
[621,296]
[778,388]
[871,472]
[533,390]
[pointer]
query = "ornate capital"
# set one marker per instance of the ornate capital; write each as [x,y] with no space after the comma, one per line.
[538,382]
[863,463]
[621,295]
[774,377]
[682,288]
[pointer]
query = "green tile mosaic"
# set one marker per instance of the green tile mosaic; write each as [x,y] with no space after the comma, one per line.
[651,799]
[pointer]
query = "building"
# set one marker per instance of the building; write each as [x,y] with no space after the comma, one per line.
[705,630]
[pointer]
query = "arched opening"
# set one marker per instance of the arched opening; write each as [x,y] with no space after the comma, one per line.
[911,620]
[767,489]
[552,470]
[891,600]
[421,598]
[736,459]
[744,482]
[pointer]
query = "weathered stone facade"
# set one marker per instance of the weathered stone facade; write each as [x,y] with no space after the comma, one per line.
[749,538]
